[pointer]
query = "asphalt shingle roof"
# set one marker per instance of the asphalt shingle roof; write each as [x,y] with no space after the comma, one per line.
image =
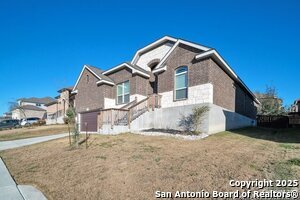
[99,73]
[43,100]
[31,107]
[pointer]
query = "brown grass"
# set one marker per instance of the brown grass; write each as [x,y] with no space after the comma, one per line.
[131,166]
[35,131]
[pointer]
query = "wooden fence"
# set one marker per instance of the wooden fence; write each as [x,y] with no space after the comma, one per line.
[278,121]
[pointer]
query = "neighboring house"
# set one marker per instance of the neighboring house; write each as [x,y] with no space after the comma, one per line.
[170,76]
[31,107]
[7,115]
[269,104]
[27,111]
[56,110]
[295,108]
[38,102]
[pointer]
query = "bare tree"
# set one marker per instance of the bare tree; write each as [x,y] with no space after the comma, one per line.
[15,106]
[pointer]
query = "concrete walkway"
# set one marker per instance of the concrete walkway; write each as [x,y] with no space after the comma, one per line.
[29,141]
[10,190]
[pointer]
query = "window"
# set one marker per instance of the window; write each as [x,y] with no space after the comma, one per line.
[181,83]
[38,104]
[87,78]
[123,92]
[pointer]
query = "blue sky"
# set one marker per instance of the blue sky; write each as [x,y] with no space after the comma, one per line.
[44,44]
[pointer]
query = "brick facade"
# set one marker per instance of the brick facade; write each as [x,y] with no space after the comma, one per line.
[216,85]
[90,95]
[226,93]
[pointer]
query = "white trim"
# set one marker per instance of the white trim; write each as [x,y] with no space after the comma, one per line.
[216,55]
[157,42]
[104,81]
[134,71]
[197,46]
[86,67]
[74,92]
[179,41]
[166,56]
[159,70]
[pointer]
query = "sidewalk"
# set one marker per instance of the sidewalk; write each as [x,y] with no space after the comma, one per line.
[10,190]
[24,142]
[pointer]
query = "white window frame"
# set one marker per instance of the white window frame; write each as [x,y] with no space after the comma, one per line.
[123,92]
[187,82]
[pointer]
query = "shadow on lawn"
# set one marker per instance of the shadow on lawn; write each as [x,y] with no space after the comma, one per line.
[288,135]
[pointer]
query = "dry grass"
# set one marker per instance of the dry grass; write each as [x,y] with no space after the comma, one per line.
[35,131]
[133,166]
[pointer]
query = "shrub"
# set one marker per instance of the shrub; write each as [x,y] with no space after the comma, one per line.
[191,123]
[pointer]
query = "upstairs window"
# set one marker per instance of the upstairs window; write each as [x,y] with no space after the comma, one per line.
[181,83]
[123,92]
[87,78]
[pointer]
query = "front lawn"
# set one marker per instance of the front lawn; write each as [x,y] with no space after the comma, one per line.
[129,166]
[34,131]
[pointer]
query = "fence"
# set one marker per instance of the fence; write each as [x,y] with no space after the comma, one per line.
[278,121]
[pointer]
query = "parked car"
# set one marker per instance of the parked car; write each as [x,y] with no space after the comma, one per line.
[9,123]
[29,121]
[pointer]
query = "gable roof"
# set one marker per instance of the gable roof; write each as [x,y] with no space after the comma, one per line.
[223,64]
[43,100]
[151,46]
[30,107]
[160,66]
[207,52]
[96,72]
[65,88]
[134,68]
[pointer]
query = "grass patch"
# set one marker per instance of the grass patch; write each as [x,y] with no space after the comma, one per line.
[294,161]
[283,171]
[29,132]
[137,157]
[136,165]
[289,146]
[101,157]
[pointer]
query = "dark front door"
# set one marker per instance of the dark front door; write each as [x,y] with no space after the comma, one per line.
[89,121]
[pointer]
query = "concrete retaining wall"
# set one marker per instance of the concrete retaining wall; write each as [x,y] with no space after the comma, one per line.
[216,120]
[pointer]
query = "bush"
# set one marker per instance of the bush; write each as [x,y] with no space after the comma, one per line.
[66,120]
[192,122]
[71,114]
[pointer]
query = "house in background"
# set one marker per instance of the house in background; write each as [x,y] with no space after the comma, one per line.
[31,107]
[165,80]
[6,115]
[295,108]
[56,110]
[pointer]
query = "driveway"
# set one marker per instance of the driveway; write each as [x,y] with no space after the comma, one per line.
[29,141]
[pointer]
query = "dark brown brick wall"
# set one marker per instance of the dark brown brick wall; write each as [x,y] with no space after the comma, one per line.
[223,87]
[89,94]
[228,94]
[138,84]
[183,56]
[204,71]
[244,104]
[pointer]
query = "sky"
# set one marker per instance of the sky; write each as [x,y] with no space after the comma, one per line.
[44,44]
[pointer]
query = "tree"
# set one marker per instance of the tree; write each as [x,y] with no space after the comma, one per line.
[70,120]
[271,104]
[15,106]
